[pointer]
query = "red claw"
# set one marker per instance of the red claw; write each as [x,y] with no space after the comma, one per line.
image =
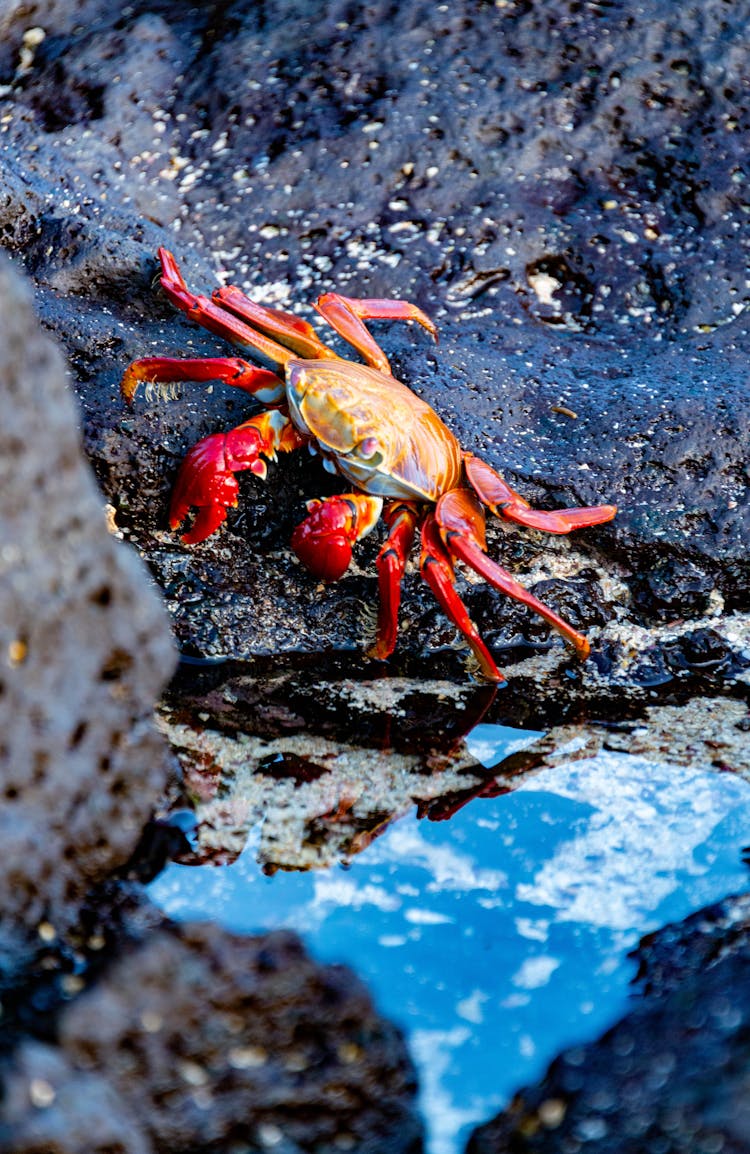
[323,541]
[325,551]
[206,479]
[204,482]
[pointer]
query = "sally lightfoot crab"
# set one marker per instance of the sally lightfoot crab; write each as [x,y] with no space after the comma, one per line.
[400,458]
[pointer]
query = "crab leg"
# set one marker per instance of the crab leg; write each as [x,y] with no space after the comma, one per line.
[401,519]
[206,479]
[497,494]
[217,319]
[461,521]
[323,541]
[291,331]
[263,384]
[437,570]
[347,314]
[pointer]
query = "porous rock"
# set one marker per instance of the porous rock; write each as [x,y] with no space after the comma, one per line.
[204,1040]
[49,1107]
[84,647]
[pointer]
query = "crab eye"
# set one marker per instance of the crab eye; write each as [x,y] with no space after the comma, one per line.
[367,448]
[367,453]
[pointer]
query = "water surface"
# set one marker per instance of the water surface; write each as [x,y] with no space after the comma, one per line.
[500,937]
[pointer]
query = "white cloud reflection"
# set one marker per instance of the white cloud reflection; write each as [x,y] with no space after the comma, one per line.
[448,867]
[499,937]
[490,744]
[434,1053]
[633,850]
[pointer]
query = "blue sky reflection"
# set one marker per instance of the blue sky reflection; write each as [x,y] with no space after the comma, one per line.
[499,937]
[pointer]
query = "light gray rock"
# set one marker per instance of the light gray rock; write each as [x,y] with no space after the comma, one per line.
[25,24]
[84,647]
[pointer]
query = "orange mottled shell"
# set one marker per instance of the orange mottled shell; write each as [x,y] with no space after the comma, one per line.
[379,434]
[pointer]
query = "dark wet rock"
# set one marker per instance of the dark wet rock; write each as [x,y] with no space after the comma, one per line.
[162,840]
[669,956]
[671,589]
[506,625]
[203,1040]
[83,643]
[388,712]
[706,653]
[562,186]
[671,1076]
[699,657]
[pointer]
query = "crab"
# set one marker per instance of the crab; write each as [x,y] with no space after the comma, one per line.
[403,462]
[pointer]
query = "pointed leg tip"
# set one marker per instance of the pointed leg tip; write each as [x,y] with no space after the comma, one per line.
[208,519]
[582,648]
[487,672]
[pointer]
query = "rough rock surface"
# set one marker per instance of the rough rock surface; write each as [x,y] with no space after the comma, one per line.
[205,1041]
[562,186]
[669,1077]
[84,647]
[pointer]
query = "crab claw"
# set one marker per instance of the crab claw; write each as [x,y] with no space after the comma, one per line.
[205,483]
[323,541]
[206,479]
